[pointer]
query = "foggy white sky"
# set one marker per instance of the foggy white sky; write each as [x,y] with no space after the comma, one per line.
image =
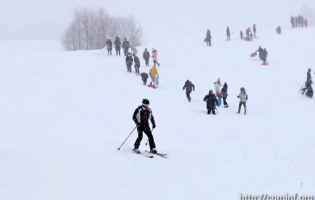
[47,19]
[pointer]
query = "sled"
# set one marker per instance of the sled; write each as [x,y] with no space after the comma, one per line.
[218,94]
[152,86]
[264,63]
[253,54]
[219,101]
[248,39]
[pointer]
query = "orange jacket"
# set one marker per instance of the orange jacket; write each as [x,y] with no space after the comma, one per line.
[153,71]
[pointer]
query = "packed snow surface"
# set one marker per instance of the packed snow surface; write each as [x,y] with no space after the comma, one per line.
[64,114]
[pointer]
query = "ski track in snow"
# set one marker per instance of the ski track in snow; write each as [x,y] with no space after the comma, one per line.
[64,114]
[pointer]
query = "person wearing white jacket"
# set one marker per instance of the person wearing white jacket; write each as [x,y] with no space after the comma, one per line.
[217,87]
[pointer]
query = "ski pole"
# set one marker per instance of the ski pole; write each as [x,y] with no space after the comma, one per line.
[126,139]
[148,138]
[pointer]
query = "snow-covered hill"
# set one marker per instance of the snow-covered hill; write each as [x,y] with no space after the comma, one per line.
[64,114]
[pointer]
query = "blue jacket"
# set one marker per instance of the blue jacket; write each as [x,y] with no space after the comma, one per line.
[224,93]
[243,96]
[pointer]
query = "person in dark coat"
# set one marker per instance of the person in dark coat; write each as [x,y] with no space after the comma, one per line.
[144,77]
[208,38]
[125,46]
[212,101]
[137,63]
[264,55]
[146,56]
[308,74]
[117,45]
[308,88]
[254,30]
[292,22]
[109,45]
[260,50]
[142,115]
[189,87]
[278,30]
[129,61]
[228,33]
[241,34]
[224,95]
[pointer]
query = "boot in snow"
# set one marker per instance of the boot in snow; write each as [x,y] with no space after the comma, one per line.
[153,150]
[136,150]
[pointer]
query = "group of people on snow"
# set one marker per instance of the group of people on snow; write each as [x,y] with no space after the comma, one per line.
[213,96]
[298,21]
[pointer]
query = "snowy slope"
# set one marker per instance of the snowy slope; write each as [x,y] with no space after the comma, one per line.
[64,114]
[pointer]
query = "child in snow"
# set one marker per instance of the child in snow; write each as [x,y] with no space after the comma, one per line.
[217,88]
[144,77]
[224,94]
[211,102]
[153,74]
[243,98]
[208,38]
[189,87]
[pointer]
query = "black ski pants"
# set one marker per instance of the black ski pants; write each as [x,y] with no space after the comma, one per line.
[224,101]
[118,52]
[148,132]
[211,109]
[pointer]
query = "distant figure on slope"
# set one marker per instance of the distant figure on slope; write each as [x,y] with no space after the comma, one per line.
[305,22]
[243,98]
[208,38]
[153,74]
[142,116]
[146,56]
[125,46]
[109,45]
[254,30]
[224,94]
[308,88]
[137,63]
[292,22]
[241,34]
[264,55]
[117,45]
[154,56]
[278,30]
[260,50]
[217,88]
[248,31]
[228,33]
[144,77]
[129,62]
[189,87]
[211,102]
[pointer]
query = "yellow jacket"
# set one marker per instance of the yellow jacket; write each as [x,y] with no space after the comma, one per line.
[153,71]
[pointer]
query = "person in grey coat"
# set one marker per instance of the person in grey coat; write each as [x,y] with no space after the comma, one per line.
[129,62]
[146,56]
[308,75]
[241,34]
[137,63]
[144,77]
[125,46]
[228,33]
[109,45]
[254,30]
[117,45]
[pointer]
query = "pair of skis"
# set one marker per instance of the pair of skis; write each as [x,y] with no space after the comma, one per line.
[150,156]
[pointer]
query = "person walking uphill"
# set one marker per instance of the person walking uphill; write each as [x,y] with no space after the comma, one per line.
[137,63]
[109,45]
[154,75]
[129,62]
[125,46]
[154,56]
[208,38]
[144,77]
[142,116]
[224,94]
[211,102]
[254,30]
[117,45]
[189,87]
[146,56]
[228,33]
[243,98]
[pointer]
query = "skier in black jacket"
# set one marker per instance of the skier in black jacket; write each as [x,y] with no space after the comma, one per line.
[189,87]
[211,102]
[141,117]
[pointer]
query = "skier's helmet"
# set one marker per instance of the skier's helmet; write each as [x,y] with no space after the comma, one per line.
[145,102]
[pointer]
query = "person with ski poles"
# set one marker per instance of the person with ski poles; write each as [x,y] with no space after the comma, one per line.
[243,98]
[189,87]
[142,116]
